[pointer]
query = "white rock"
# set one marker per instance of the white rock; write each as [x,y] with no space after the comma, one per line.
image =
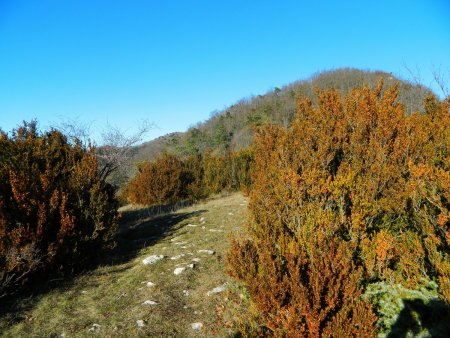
[179,243]
[95,327]
[230,213]
[186,293]
[149,302]
[191,225]
[196,260]
[196,326]
[216,230]
[152,259]
[175,239]
[203,227]
[140,323]
[150,284]
[202,220]
[209,252]
[177,256]
[191,266]
[218,289]
[178,271]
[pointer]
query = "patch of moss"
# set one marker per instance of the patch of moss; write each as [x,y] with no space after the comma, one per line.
[405,312]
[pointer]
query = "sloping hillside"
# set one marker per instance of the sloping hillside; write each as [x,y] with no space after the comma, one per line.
[232,127]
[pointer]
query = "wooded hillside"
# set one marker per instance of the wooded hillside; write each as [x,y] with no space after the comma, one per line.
[233,126]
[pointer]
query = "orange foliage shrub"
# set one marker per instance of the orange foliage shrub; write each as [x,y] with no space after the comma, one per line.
[159,182]
[170,179]
[353,191]
[55,211]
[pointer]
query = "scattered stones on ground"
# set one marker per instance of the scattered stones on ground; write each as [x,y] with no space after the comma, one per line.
[152,259]
[186,292]
[140,323]
[197,326]
[181,269]
[209,252]
[95,327]
[218,289]
[178,256]
[178,271]
[149,302]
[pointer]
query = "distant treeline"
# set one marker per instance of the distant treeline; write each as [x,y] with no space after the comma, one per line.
[233,127]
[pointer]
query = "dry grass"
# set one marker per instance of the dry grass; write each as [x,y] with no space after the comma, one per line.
[112,295]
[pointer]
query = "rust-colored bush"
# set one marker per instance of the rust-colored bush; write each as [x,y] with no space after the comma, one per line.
[163,181]
[354,190]
[55,211]
[170,179]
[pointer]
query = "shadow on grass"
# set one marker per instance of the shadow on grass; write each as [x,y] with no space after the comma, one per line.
[417,316]
[137,229]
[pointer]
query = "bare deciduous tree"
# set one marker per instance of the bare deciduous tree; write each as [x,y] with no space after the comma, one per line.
[117,148]
[442,79]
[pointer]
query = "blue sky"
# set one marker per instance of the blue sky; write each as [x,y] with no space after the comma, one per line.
[175,62]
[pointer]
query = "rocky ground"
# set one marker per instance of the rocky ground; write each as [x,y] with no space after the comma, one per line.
[166,279]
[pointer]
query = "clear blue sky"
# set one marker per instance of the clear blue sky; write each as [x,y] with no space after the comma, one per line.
[174,62]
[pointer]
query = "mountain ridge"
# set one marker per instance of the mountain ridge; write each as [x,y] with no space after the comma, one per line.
[231,127]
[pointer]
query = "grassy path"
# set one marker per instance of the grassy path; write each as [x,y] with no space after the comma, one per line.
[116,299]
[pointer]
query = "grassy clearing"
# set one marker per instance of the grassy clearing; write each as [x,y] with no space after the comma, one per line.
[113,294]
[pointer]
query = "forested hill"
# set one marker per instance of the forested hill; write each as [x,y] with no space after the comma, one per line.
[231,128]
